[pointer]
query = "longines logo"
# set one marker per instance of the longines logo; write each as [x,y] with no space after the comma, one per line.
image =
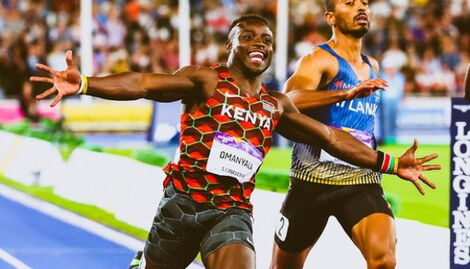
[463,108]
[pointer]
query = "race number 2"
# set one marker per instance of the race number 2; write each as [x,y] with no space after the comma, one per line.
[282,227]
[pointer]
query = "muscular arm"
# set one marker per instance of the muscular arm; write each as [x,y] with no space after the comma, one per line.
[312,72]
[467,84]
[302,86]
[299,128]
[157,87]
[187,83]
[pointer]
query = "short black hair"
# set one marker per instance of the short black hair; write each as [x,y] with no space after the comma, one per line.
[330,5]
[247,18]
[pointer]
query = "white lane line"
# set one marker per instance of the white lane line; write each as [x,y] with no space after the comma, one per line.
[12,260]
[76,220]
[71,218]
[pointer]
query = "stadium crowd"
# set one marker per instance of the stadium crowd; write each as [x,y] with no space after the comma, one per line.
[423,43]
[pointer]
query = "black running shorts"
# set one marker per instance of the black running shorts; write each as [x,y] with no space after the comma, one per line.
[183,227]
[308,206]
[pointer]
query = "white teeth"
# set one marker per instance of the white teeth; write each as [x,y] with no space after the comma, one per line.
[256,54]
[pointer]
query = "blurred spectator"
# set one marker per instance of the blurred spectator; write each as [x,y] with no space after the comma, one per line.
[391,97]
[431,77]
[115,26]
[15,68]
[55,58]
[460,73]
[28,103]
[428,40]
[394,57]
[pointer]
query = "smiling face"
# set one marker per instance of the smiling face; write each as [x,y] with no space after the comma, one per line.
[350,17]
[250,47]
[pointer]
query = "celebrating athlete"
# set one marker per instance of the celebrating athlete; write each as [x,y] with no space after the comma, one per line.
[226,131]
[338,86]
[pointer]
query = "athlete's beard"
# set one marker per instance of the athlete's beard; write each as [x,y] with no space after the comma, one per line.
[359,33]
[356,33]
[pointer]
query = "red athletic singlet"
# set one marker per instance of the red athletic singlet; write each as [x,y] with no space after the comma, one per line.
[222,145]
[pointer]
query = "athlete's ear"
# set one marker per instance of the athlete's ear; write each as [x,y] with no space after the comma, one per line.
[228,46]
[329,18]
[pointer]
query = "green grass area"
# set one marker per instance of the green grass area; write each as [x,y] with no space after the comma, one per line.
[88,211]
[148,156]
[67,141]
[432,208]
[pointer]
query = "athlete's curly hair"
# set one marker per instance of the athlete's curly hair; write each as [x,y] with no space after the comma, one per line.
[330,5]
[246,18]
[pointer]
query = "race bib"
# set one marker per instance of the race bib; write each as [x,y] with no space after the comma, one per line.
[234,157]
[364,137]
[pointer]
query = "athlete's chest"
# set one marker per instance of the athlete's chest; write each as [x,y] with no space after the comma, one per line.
[361,71]
[242,133]
[355,110]
[345,75]
[228,104]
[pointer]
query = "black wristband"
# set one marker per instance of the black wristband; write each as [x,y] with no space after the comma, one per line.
[380,159]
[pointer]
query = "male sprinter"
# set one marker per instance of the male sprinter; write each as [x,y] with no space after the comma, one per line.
[336,85]
[226,131]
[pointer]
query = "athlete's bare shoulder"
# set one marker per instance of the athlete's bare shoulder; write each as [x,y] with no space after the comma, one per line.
[313,70]
[284,103]
[374,63]
[317,60]
[205,78]
[197,73]
[277,95]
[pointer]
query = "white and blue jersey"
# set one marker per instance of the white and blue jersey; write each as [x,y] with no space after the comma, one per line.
[355,116]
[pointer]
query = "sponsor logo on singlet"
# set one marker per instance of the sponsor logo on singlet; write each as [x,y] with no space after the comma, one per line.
[358,105]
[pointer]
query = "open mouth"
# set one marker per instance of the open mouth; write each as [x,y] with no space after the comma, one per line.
[256,57]
[362,19]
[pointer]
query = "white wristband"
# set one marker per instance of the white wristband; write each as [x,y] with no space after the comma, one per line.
[82,85]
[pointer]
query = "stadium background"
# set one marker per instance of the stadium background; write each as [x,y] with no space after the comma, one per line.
[422,46]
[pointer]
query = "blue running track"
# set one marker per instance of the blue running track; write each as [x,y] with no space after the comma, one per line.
[5,265]
[40,241]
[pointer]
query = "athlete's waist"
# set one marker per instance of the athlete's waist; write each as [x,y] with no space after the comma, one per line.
[353,130]
[185,167]
[342,178]
[346,115]
[221,195]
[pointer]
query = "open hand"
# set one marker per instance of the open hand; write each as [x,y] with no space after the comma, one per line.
[411,168]
[366,88]
[63,82]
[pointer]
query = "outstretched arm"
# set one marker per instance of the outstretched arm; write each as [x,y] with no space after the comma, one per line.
[124,86]
[467,84]
[300,128]
[312,72]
